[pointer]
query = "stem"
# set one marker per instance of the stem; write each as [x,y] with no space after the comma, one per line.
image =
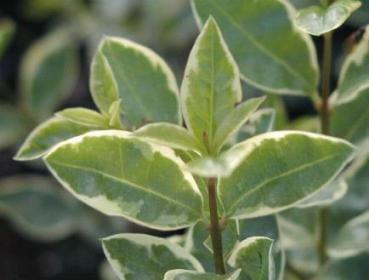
[215,231]
[326,83]
[325,123]
[322,236]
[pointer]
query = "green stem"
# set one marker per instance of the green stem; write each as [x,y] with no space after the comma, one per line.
[325,124]
[326,83]
[215,231]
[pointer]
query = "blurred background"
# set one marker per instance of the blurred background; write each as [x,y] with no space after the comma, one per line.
[44,232]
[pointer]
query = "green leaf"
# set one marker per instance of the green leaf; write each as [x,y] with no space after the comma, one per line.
[268,227]
[317,20]
[234,120]
[211,86]
[271,177]
[198,244]
[85,117]
[7,29]
[46,135]
[350,120]
[106,272]
[121,175]
[13,126]
[305,123]
[354,73]
[355,268]
[170,135]
[140,256]
[220,166]
[103,86]
[298,228]
[37,207]
[356,201]
[254,256]
[114,114]
[352,238]
[48,73]
[260,122]
[139,77]
[328,194]
[181,274]
[274,55]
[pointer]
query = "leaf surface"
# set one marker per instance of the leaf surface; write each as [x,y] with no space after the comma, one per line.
[48,74]
[211,86]
[180,274]
[83,116]
[46,135]
[139,77]
[270,177]
[350,119]
[140,256]
[121,175]
[171,135]
[270,52]
[254,256]
[317,20]
[37,208]
[353,77]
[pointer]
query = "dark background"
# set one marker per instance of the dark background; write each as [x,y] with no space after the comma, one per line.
[74,257]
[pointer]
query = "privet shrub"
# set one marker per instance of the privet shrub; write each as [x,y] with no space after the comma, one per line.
[183,159]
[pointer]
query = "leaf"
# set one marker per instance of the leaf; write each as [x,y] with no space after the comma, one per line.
[139,77]
[317,20]
[254,256]
[305,123]
[211,86]
[121,175]
[114,114]
[351,239]
[85,117]
[103,85]
[268,227]
[46,135]
[327,195]
[106,272]
[234,120]
[355,268]
[219,166]
[197,242]
[180,274]
[170,135]
[356,201]
[260,122]
[350,120]
[353,77]
[48,73]
[140,256]
[271,178]
[298,228]
[37,208]
[274,55]
[13,126]
[7,29]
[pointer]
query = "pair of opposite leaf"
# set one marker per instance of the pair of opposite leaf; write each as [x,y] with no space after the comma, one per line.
[123,174]
[211,39]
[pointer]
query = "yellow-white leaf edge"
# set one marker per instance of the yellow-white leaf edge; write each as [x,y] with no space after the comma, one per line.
[305,37]
[146,240]
[151,56]
[111,208]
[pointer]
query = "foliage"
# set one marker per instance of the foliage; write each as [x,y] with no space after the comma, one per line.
[201,157]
